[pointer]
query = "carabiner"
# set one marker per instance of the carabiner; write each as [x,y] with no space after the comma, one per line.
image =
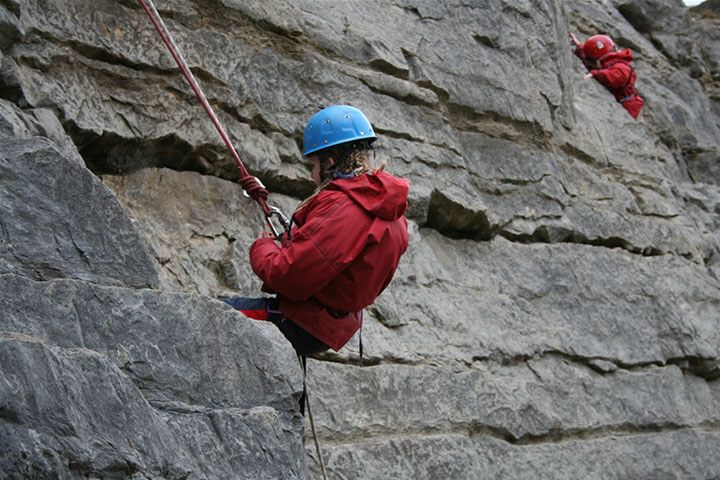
[282,218]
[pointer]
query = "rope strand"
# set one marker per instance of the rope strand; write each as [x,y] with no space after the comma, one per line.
[315,437]
[162,29]
[305,402]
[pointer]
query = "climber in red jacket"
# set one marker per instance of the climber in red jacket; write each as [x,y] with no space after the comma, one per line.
[345,244]
[611,67]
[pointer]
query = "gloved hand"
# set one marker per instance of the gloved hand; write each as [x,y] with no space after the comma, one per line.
[254,188]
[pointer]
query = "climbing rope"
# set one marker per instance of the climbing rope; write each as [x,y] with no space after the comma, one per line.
[305,402]
[315,437]
[250,184]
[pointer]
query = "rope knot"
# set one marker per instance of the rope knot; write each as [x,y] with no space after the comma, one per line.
[254,188]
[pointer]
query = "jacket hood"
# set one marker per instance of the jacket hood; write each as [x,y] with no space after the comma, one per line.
[624,55]
[381,194]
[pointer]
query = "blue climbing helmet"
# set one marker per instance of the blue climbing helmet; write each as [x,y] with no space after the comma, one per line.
[335,125]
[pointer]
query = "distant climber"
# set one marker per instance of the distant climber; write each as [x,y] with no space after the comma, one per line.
[345,244]
[611,67]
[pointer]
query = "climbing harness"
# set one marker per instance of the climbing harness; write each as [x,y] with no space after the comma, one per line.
[252,186]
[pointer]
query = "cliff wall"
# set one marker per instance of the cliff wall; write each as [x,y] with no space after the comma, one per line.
[557,314]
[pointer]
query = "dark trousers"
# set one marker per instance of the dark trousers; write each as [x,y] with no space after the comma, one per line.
[266,309]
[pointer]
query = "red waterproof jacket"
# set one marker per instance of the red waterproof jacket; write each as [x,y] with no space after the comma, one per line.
[616,74]
[344,249]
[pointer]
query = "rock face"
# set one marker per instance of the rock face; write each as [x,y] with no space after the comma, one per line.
[557,314]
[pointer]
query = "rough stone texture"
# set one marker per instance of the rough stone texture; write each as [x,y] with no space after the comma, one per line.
[454,456]
[117,382]
[556,315]
[59,221]
[101,374]
[203,228]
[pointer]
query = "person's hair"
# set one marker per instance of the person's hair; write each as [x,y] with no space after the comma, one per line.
[352,158]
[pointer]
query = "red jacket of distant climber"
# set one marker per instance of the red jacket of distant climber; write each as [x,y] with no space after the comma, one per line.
[616,74]
[344,249]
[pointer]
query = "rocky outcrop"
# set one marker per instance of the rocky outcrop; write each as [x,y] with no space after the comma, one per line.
[104,375]
[556,314]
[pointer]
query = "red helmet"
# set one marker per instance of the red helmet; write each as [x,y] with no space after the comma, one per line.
[598,46]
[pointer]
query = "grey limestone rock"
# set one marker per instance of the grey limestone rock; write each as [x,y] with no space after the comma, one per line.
[455,456]
[556,314]
[60,221]
[111,381]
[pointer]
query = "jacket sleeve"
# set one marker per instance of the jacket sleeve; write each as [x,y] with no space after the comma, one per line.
[333,235]
[615,76]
